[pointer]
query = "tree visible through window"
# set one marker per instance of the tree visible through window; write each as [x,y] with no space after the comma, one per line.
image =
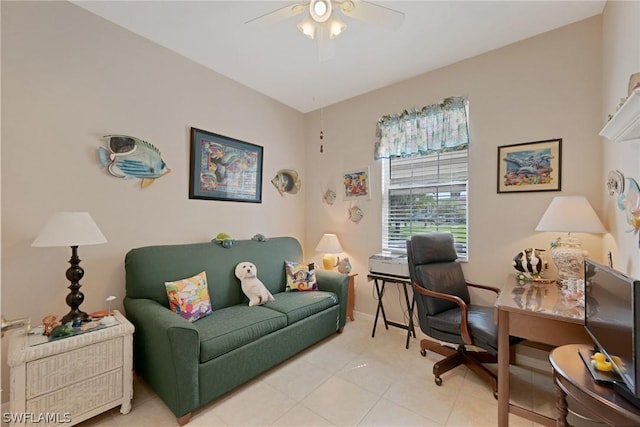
[425,193]
[425,174]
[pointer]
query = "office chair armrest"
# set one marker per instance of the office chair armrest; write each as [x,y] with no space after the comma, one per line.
[464,311]
[486,287]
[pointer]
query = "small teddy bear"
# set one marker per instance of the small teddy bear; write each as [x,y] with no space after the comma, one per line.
[252,287]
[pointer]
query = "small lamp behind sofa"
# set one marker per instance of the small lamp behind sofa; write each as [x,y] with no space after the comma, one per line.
[330,246]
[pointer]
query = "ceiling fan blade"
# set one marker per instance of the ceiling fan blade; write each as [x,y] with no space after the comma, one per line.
[280,14]
[372,13]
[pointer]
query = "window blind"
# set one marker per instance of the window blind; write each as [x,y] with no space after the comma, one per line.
[425,193]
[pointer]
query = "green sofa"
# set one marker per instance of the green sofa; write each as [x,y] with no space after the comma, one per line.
[190,364]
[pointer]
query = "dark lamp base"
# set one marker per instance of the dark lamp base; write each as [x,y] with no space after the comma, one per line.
[75,297]
[73,315]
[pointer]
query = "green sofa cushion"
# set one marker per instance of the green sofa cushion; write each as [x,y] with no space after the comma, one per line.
[228,328]
[300,305]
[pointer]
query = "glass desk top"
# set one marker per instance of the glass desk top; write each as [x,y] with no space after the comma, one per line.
[543,299]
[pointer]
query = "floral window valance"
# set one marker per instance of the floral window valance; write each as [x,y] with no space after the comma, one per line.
[437,127]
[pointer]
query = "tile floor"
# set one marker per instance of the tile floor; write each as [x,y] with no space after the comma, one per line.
[350,379]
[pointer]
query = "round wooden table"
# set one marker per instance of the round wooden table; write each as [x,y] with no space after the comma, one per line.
[596,400]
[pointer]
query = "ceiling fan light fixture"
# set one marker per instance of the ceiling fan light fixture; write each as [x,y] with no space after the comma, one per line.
[347,6]
[336,26]
[320,10]
[308,27]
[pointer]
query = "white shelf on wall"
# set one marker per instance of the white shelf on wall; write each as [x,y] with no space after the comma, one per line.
[625,123]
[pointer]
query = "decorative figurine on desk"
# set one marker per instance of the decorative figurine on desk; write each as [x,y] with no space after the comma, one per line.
[529,264]
[109,319]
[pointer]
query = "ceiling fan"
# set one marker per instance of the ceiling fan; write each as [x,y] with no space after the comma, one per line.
[323,24]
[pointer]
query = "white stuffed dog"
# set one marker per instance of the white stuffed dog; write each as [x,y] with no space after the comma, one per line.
[252,287]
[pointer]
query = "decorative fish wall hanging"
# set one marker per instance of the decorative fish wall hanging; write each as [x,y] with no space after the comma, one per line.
[629,203]
[131,157]
[355,213]
[287,181]
[329,196]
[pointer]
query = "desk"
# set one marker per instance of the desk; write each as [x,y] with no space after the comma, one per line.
[405,282]
[536,312]
[572,378]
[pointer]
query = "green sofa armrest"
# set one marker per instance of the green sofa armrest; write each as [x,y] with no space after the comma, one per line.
[167,353]
[332,281]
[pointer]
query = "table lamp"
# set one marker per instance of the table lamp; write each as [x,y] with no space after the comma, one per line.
[330,246]
[71,229]
[570,214]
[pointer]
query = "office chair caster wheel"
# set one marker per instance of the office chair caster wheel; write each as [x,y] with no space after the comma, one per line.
[438,381]
[423,352]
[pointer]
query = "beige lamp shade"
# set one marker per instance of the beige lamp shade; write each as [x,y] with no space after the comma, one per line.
[330,246]
[69,229]
[569,214]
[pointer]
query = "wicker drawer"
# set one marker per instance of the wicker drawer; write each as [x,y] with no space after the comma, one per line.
[88,395]
[52,373]
[67,381]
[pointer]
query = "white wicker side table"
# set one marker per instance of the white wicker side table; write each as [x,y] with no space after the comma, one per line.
[72,379]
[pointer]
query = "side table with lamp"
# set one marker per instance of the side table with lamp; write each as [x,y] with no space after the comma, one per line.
[71,377]
[330,246]
[71,229]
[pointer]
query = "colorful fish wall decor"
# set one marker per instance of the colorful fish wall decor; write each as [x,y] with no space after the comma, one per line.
[628,199]
[131,157]
[629,203]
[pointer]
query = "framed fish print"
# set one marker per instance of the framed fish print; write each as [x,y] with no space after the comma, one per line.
[224,168]
[356,184]
[531,166]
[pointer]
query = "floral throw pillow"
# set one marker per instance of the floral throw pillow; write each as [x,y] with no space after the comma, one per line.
[189,297]
[300,277]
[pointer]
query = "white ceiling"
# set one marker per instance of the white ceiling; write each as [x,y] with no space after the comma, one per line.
[278,61]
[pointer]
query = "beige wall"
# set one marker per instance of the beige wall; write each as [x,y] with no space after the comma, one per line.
[620,59]
[68,78]
[541,88]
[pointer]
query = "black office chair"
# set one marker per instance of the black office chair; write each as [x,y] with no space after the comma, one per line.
[445,311]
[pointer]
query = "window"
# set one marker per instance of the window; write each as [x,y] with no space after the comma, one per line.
[425,193]
[425,174]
